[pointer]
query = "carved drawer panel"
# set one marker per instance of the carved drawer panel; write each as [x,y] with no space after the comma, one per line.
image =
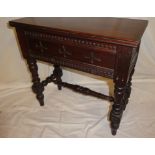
[66,49]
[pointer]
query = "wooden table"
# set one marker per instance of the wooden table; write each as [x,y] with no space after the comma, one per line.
[106,47]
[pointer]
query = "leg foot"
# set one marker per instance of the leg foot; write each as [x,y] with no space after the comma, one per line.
[117,108]
[59,87]
[113,132]
[40,98]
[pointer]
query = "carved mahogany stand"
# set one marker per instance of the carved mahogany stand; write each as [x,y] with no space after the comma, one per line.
[105,47]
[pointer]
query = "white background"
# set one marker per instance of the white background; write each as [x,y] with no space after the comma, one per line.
[63,116]
[144,75]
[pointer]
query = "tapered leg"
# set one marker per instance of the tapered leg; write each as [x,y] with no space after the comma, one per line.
[58,74]
[37,87]
[117,108]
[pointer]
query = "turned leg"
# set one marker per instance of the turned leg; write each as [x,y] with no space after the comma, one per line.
[37,87]
[128,91]
[117,108]
[125,60]
[57,72]
[127,94]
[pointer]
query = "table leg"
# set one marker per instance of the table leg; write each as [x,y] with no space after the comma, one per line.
[57,72]
[128,91]
[117,108]
[37,87]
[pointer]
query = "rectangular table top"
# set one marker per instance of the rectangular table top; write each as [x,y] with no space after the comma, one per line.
[124,29]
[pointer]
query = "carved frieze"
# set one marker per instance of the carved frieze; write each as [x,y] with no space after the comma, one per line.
[101,71]
[50,37]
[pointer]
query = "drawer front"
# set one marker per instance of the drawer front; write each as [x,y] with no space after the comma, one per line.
[71,50]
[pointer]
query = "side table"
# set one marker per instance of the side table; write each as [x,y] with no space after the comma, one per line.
[106,47]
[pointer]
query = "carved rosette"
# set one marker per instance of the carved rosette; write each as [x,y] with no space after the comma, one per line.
[64,52]
[39,45]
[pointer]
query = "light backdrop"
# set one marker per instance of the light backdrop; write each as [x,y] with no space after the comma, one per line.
[67,114]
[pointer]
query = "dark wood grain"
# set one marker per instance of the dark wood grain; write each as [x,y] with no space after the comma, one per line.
[55,47]
[122,29]
[106,47]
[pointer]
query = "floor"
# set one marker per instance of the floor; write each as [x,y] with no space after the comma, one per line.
[67,114]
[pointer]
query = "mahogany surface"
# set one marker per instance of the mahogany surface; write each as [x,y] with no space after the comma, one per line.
[106,47]
[117,28]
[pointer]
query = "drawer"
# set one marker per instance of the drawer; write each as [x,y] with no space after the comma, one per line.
[97,56]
